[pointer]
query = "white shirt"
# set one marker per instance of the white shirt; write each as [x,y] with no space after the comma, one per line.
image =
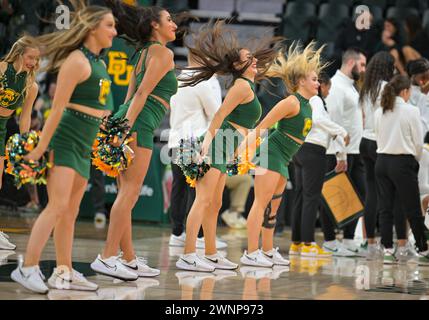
[424,171]
[192,109]
[399,131]
[323,128]
[343,107]
[368,112]
[421,101]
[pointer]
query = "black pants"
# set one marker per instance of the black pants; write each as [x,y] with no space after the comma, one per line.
[97,190]
[356,172]
[397,178]
[368,151]
[310,166]
[182,198]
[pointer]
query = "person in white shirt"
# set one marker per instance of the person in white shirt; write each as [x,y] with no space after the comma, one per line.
[418,71]
[310,166]
[399,136]
[343,107]
[424,175]
[379,71]
[192,110]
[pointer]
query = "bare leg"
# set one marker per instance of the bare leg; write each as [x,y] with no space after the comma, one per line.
[119,234]
[64,228]
[268,234]
[410,53]
[265,186]
[201,205]
[59,185]
[210,218]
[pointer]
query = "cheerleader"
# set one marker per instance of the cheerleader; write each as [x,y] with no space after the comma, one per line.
[18,89]
[294,116]
[82,98]
[310,165]
[217,50]
[152,85]
[378,72]
[399,137]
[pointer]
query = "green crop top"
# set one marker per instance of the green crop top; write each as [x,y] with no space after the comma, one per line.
[246,115]
[95,92]
[300,125]
[12,86]
[167,86]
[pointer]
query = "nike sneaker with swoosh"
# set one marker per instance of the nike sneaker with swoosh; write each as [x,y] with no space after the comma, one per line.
[112,267]
[275,257]
[30,278]
[255,259]
[64,280]
[219,262]
[139,266]
[337,249]
[192,262]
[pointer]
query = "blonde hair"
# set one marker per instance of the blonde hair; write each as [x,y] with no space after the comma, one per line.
[57,46]
[297,64]
[16,52]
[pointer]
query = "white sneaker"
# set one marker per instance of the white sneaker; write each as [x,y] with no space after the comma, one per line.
[62,279]
[255,259]
[241,222]
[112,267]
[192,262]
[177,241]
[359,251]
[5,244]
[256,272]
[275,257]
[139,266]
[4,255]
[30,278]
[337,249]
[220,244]
[219,262]
[230,218]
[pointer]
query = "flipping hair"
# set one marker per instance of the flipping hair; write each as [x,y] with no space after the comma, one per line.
[57,46]
[380,68]
[216,50]
[16,53]
[297,64]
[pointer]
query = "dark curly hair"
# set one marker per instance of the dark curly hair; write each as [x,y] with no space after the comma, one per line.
[216,49]
[380,68]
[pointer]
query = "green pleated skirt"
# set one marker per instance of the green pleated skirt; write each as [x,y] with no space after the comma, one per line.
[73,140]
[276,152]
[148,120]
[223,146]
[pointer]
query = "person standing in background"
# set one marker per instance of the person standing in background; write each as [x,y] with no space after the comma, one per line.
[379,71]
[399,137]
[343,106]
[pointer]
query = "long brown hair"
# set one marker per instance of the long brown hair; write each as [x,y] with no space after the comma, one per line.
[392,90]
[16,52]
[380,68]
[57,46]
[216,49]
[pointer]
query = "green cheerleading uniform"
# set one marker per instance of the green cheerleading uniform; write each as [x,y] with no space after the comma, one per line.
[76,132]
[153,111]
[279,146]
[12,97]
[228,138]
